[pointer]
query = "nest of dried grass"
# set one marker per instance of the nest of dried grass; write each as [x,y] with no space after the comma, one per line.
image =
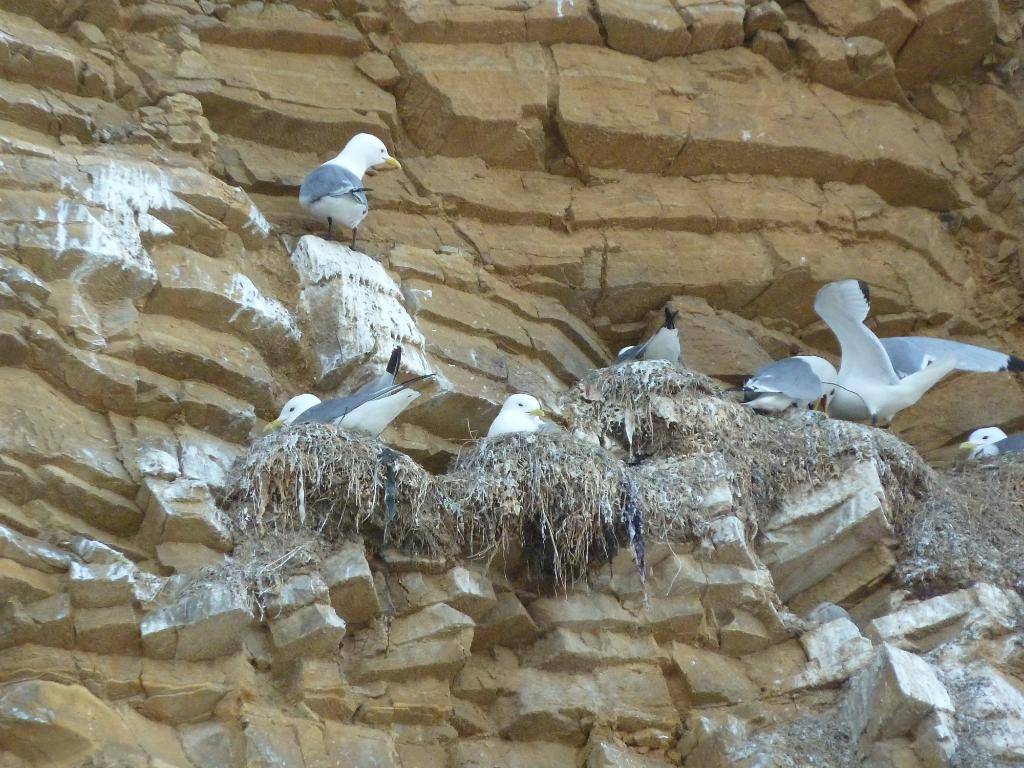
[564,502]
[313,478]
[970,528]
[654,408]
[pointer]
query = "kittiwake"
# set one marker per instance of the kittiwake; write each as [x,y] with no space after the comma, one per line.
[795,382]
[520,413]
[370,410]
[910,354]
[992,441]
[867,387]
[663,345]
[334,192]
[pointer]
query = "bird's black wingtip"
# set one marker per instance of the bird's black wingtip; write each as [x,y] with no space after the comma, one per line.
[670,318]
[396,361]
[1015,364]
[864,289]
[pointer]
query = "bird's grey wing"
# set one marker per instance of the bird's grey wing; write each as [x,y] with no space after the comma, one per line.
[331,180]
[387,378]
[910,354]
[790,377]
[1011,444]
[330,411]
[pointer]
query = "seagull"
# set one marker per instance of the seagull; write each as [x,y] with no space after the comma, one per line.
[867,387]
[369,410]
[334,192]
[992,441]
[795,382]
[910,354]
[520,413]
[663,345]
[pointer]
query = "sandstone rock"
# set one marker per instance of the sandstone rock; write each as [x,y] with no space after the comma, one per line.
[508,99]
[713,25]
[269,743]
[363,746]
[740,633]
[182,558]
[835,649]
[434,622]
[417,702]
[680,617]
[208,744]
[712,679]
[470,592]
[890,21]
[850,582]
[651,29]
[563,650]
[508,623]
[824,529]
[614,754]
[773,47]
[347,576]
[354,311]
[629,698]
[181,691]
[113,630]
[314,630]
[892,695]
[581,611]
[31,553]
[25,584]
[201,626]
[46,622]
[441,657]
[181,510]
[295,592]
[926,56]
[489,752]
[319,684]
[45,721]
[101,585]
[861,66]
[763,17]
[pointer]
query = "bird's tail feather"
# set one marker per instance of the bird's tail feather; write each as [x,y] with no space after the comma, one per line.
[920,382]
[396,361]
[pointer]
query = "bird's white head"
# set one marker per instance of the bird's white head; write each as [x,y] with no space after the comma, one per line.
[364,151]
[523,404]
[980,441]
[292,410]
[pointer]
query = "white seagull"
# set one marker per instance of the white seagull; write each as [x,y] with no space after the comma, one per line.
[992,441]
[795,382]
[867,387]
[334,192]
[520,413]
[663,345]
[370,410]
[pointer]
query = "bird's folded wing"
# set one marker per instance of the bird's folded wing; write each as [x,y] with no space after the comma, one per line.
[331,180]
[332,410]
[843,306]
[1011,444]
[791,377]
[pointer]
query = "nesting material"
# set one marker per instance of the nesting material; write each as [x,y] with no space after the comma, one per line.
[563,501]
[970,528]
[333,483]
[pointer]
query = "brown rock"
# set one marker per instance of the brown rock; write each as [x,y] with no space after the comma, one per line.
[489,752]
[890,21]
[180,691]
[508,624]
[319,684]
[441,657]
[763,17]
[314,630]
[352,592]
[651,29]
[581,611]
[113,630]
[860,66]
[183,511]
[713,25]
[25,584]
[951,37]
[712,679]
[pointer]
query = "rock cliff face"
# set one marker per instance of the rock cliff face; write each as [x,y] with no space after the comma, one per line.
[569,167]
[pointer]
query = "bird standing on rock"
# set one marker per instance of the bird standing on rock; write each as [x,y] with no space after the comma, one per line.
[334,192]
[663,345]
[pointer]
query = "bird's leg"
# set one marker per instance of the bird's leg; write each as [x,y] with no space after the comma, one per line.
[874,419]
[330,226]
[353,238]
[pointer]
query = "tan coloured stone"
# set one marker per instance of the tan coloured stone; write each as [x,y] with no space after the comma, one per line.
[417,702]
[892,695]
[712,679]
[581,611]
[348,578]
[283,28]
[951,37]
[181,510]
[450,92]
[773,47]
[651,29]
[44,721]
[676,617]
[860,66]
[818,531]
[923,625]
[441,657]
[615,754]
[629,698]
[563,650]
[508,624]
[102,584]
[182,558]
[319,684]
[46,622]
[314,630]
[436,621]
[208,744]
[25,584]
[31,553]
[849,583]
[360,745]
[201,626]
[113,630]
[740,633]
[181,692]
[890,21]
[713,25]
[470,592]
[763,17]
[486,753]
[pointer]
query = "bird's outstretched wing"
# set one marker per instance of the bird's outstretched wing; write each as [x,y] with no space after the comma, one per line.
[843,306]
[910,354]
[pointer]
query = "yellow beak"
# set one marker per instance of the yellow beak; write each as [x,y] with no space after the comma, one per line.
[967,446]
[392,163]
[271,426]
[539,412]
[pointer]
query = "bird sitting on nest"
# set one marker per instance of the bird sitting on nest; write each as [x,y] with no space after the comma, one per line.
[992,441]
[520,413]
[369,411]
[334,192]
[663,345]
